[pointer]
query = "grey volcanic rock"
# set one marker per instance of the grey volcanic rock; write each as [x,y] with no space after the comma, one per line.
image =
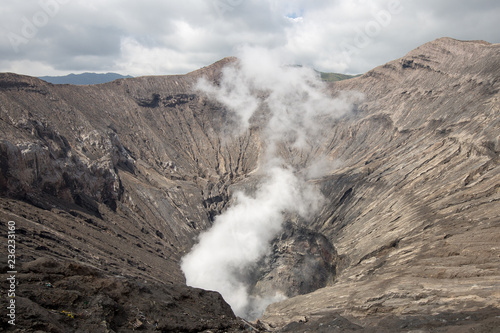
[414,208]
[98,151]
[92,175]
[301,261]
[123,176]
[69,297]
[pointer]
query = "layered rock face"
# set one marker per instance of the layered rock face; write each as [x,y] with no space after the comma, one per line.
[414,207]
[300,262]
[123,176]
[120,176]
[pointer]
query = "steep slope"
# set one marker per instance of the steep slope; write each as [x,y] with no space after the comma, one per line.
[414,208]
[123,176]
[140,150]
[119,176]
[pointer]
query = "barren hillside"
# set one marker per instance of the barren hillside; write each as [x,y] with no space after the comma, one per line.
[110,184]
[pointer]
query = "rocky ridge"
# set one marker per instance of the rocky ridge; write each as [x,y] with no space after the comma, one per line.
[414,208]
[121,177]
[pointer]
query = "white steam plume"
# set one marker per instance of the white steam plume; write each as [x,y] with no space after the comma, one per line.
[294,103]
[240,237]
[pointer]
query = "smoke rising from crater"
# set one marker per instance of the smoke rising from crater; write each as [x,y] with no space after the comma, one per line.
[240,237]
[290,104]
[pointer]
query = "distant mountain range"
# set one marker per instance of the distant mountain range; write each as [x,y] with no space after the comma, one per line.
[96,78]
[84,78]
[332,77]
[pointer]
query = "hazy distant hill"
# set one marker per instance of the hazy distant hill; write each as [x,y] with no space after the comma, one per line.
[84,78]
[332,77]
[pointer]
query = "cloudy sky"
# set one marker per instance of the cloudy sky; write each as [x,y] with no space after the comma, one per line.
[153,37]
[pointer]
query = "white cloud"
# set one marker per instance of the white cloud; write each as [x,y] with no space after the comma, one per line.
[137,59]
[34,68]
[89,35]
